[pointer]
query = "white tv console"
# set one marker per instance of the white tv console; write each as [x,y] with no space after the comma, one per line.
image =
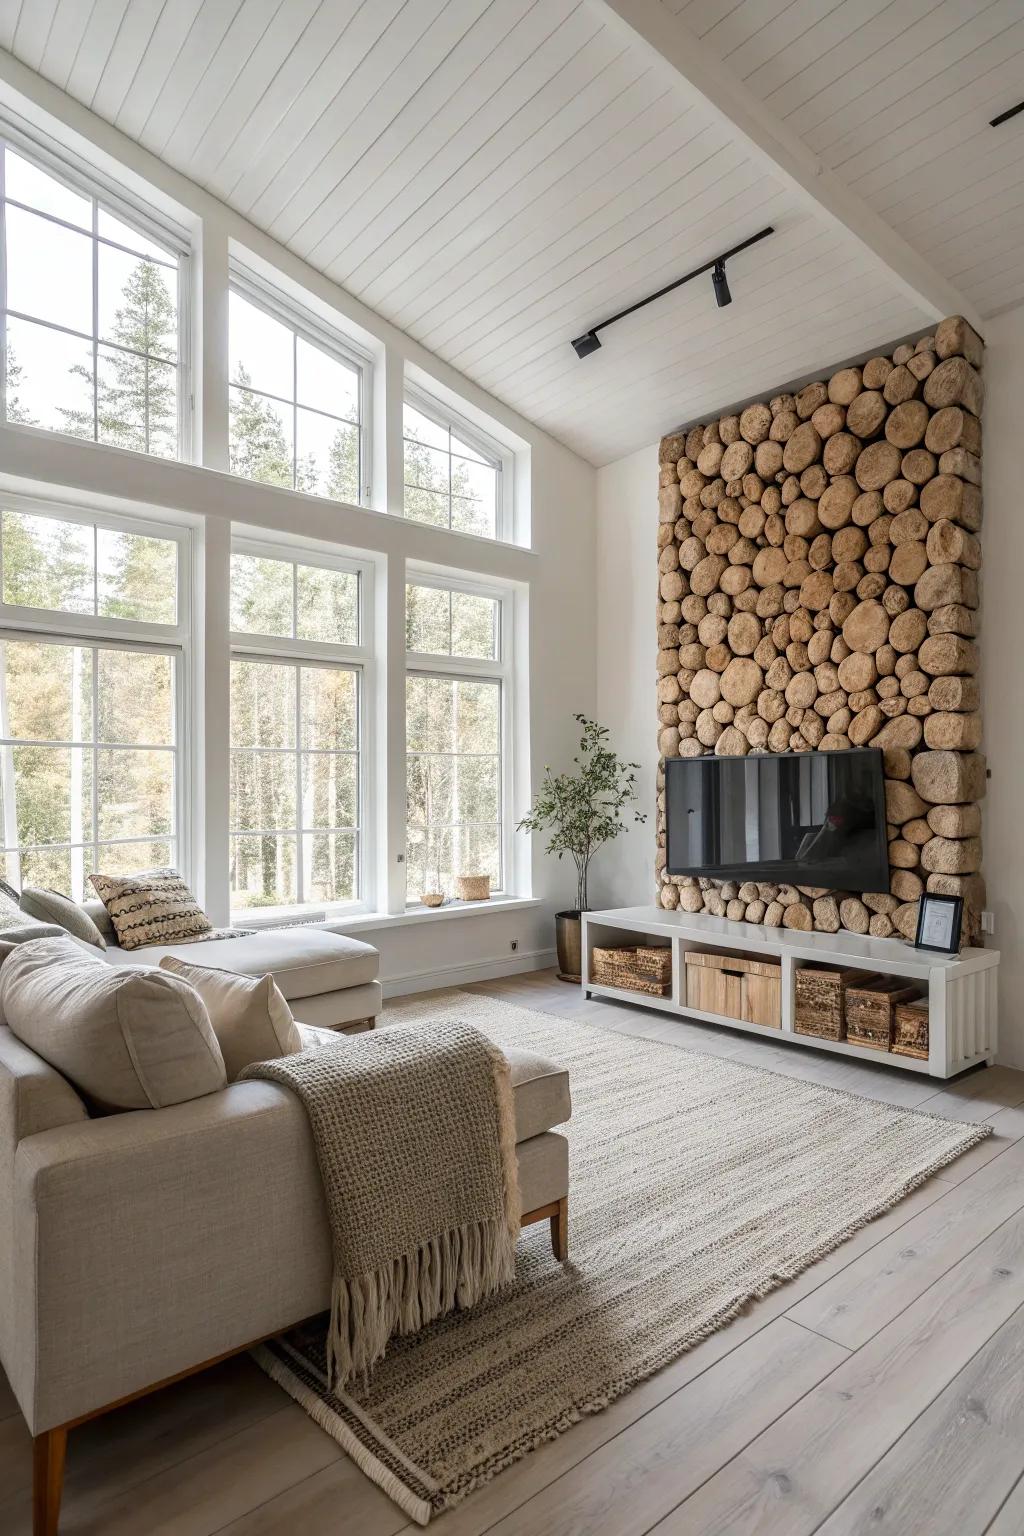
[961,989]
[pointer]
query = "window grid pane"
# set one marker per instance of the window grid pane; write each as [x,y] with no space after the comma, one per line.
[91,326]
[288,599]
[295,414]
[295,777]
[454,774]
[77,791]
[444,621]
[447,482]
[69,567]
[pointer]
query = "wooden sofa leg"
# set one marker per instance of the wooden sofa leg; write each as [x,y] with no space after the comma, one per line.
[560,1231]
[48,1452]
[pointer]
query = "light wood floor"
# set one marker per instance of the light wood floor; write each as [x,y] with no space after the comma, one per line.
[882,1391]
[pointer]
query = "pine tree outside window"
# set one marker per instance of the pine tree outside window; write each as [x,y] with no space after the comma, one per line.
[455,477]
[458,703]
[93,647]
[298,399]
[91,310]
[299,744]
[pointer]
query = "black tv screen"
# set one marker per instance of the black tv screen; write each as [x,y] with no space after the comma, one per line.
[806,818]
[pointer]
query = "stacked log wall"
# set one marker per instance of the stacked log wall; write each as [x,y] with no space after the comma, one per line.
[818,589]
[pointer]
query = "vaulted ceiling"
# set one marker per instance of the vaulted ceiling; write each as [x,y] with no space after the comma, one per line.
[497,177]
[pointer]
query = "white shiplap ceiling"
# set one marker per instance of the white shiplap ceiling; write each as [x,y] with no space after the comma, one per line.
[496,177]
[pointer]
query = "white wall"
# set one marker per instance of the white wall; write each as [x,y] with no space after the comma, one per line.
[1002,661]
[627,502]
[556,572]
[627,576]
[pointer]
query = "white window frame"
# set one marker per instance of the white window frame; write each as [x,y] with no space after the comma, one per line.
[175,640]
[358,658]
[496,454]
[86,182]
[501,670]
[308,327]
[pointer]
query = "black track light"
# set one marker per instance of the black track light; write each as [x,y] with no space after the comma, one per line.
[1004,117]
[590,341]
[586,344]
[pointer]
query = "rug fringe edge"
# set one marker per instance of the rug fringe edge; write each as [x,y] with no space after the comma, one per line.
[416,1508]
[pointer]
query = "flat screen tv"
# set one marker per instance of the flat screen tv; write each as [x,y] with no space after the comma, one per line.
[808,818]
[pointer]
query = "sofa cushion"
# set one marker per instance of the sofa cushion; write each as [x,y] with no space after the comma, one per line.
[541,1091]
[304,961]
[125,1038]
[250,1017]
[156,907]
[51,907]
[97,910]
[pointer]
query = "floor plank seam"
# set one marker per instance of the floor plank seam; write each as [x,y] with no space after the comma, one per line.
[747,1444]
[926,1407]
[1010,1493]
[174,1466]
[915,1300]
[246,1514]
[851,1349]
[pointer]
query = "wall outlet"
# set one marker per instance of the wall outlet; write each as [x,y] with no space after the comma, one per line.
[988,922]
[513,945]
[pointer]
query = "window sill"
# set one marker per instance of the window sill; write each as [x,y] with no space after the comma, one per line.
[361,922]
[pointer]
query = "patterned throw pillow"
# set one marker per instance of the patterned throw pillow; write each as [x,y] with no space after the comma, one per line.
[155,907]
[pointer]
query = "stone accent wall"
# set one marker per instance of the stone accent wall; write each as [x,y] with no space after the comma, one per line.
[818,561]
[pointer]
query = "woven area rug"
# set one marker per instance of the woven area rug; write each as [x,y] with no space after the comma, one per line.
[696,1185]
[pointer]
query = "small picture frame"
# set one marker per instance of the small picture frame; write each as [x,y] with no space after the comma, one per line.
[939,921]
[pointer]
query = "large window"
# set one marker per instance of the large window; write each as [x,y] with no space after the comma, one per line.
[455,733]
[91,635]
[454,477]
[297,702]
[89,303]
[298,402]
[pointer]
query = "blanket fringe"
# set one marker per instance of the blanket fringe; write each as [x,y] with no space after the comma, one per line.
[459,1268]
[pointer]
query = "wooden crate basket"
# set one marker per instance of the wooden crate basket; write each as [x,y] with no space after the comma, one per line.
[910,1030]
[871,1011]
[821,1000]
[735,987]
[645,968]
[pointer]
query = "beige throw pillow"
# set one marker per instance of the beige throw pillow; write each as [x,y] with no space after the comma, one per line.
[51,907]
[249,1014]
[152,908]
[127,1037]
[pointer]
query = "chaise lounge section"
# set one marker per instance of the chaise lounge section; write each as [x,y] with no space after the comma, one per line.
[329,979]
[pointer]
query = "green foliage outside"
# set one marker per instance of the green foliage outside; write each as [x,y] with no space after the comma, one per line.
[136,395]
[582,810]
[15,373]
[438,490]
[260,450]
[58,801]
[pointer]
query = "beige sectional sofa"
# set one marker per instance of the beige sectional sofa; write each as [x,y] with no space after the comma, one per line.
[330,980]
[138,1247]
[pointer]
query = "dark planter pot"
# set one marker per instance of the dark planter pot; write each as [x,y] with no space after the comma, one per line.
[569,945]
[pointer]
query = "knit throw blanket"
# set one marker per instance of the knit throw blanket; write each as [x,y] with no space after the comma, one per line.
[414,1130]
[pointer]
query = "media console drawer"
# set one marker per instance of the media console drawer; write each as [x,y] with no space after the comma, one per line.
[735,987]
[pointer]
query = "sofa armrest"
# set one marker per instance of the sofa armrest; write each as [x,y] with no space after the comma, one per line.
[148,1243]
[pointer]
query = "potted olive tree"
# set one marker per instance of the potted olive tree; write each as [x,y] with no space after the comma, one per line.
[580,811]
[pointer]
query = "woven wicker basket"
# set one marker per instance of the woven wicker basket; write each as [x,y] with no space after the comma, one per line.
[473,887]
[635,968]
[910,1031]
[821,998]
[870,1012]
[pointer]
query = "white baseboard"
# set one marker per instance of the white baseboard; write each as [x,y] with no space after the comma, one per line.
[459,975]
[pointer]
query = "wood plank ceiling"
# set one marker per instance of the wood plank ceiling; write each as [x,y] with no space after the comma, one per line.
[494,176]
